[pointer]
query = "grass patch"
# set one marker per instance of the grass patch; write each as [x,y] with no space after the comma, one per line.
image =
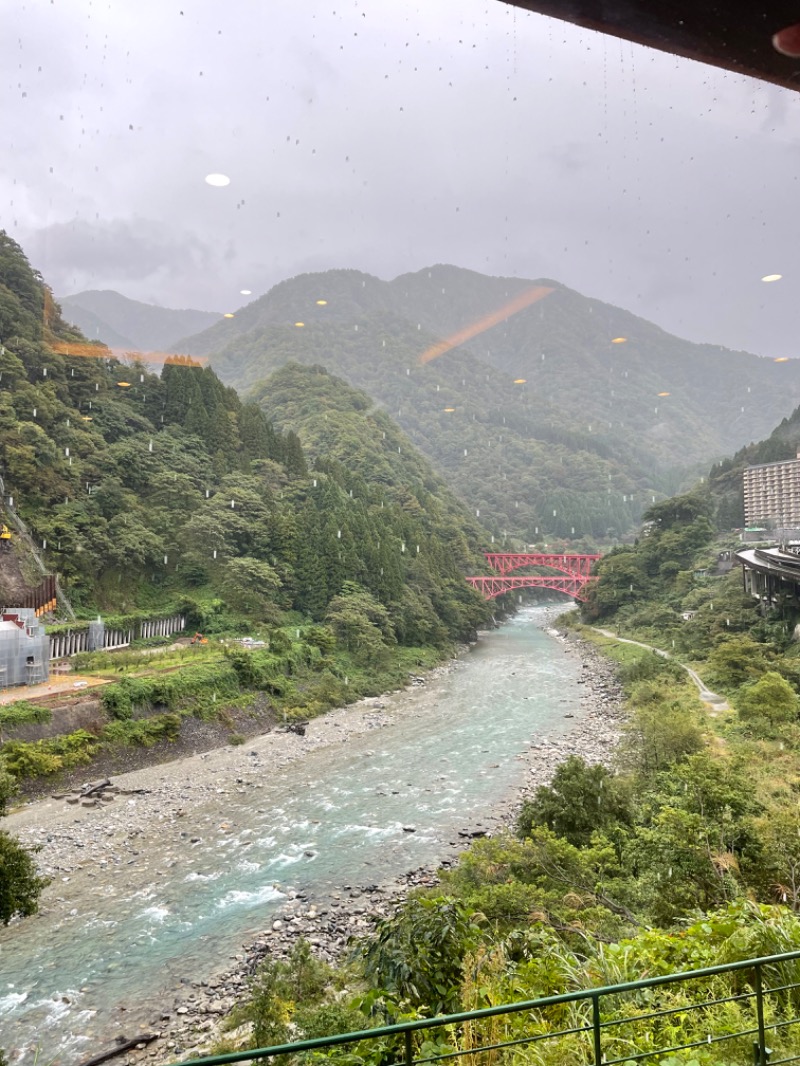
[294,677]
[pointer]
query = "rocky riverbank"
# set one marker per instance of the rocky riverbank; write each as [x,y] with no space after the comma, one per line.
[149,829]
[196,1019]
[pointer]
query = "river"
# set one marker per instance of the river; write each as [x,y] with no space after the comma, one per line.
[123,936]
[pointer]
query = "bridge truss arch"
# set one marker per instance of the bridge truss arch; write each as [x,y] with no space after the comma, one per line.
[492,587]
[573,577]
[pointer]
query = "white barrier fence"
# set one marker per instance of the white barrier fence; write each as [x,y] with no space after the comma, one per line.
[62,645]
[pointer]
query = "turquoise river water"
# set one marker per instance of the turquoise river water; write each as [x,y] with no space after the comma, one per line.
[450,754]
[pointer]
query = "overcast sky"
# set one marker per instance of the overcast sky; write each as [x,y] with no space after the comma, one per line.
[389,136]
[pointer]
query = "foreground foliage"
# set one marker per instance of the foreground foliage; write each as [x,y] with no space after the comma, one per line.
[684,854]
[660,864]
[20,884]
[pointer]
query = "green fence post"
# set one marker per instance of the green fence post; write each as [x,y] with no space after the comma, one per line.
[598,1049]
[409,1048]
[760,1049]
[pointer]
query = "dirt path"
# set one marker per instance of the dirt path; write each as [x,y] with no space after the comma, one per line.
[719,703]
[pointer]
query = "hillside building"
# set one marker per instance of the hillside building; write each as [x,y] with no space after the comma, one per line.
[772,494]
[24,649]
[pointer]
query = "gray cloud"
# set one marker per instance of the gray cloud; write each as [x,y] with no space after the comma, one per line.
[386,139]
[141,251]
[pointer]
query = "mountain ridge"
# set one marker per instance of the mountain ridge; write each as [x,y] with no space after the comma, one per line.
[565,389]
[120,322]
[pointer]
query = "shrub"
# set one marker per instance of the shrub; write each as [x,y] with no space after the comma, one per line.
[171,690]
[275,989]
[21,712]
[30,760]
[770,700]
[145,732]
[20,885]
[658,735]
[649,667]
[74,749]
[579,801]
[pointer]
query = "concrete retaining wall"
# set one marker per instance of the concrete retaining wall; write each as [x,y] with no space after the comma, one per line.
[72,641]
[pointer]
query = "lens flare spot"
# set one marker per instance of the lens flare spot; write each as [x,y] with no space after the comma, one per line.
[663,394]
[619,340]
[227,315]
[124,384]
[782,359]
[219,181]
[299,324]
[246,292]
[322,303]
[520,381]
[772,277]
[449,410]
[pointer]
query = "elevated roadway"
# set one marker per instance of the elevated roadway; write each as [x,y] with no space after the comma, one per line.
[770,573]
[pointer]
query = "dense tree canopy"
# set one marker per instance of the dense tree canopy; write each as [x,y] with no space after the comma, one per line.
[147,487]
[20,884]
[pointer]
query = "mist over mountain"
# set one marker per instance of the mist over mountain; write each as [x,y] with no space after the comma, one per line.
[563,418]
[110,317]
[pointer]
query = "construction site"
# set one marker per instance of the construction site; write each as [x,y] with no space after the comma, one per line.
[24,649]
[24,645]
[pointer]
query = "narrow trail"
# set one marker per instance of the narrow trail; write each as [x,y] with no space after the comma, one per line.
[719,703]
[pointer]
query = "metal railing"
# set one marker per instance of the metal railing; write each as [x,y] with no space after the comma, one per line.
[605,1026]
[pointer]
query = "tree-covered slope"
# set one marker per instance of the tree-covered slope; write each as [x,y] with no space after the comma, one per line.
[118,321]
[598,427]
[143,489]
[508,456]
[726,477]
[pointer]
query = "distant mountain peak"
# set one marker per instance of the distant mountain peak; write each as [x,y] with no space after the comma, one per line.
[107,315]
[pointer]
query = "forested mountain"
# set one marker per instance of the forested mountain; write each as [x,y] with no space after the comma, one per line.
[725,477]
[611,413]
[513,482]
[147,489]
[94,328]
[107,316]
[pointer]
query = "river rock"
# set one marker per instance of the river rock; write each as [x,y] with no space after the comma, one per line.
[328,923]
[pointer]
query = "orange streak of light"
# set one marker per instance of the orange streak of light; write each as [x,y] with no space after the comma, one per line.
[92,351]
[519,303]
[82,351]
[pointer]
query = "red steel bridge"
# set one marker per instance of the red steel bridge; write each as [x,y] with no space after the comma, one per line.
[574,573]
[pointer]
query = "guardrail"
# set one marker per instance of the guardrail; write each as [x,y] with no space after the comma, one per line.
[602,1026]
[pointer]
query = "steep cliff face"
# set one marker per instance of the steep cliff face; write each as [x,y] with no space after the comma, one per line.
[19,574]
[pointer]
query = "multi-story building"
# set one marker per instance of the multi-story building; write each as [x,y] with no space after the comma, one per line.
[772,494]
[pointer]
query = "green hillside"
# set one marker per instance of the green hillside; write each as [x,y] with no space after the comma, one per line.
[149,490]
[512,478]
[725,477]
[595,432]
[118,321]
